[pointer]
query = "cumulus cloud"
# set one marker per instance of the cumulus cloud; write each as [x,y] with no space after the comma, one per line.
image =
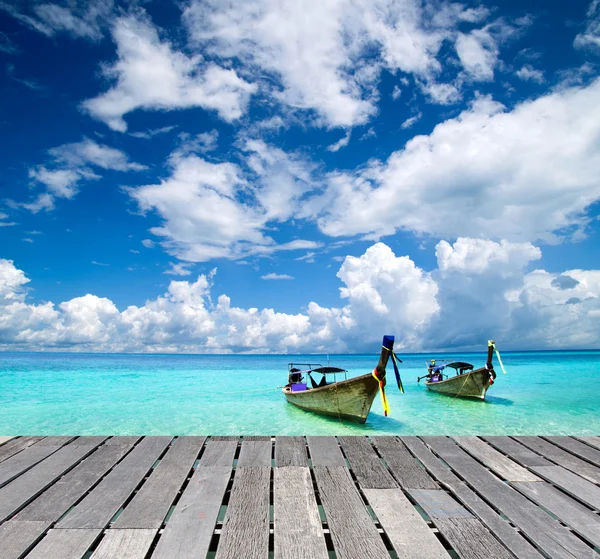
[480,290]
[478,54]
[332,69]
[341,143]
[529,73]
[151,75]
[216,210]
[521,175]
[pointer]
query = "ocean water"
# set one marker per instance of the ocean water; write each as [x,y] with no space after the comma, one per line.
[552,393]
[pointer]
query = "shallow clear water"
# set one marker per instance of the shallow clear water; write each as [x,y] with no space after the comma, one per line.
[57,394]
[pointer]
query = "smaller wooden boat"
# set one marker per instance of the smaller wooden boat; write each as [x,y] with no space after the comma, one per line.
[466,382]
[326,395]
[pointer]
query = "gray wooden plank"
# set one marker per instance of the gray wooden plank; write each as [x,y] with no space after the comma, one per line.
[366,464]
[30,484]
[256,438]
[578,448]
[225,438]
[590,440]
[494,460]
[352,530]
[493,521]
[517,451]
[539,527]
[575,515]
[298,532]
[462,530]
[409,533]
[290,451]
[467,538]
[99,506]
[5,439]
[190,528]
[255,453]
[125,544]
[64,544]
[246,524]
[26,459]
[14,446]
[17,537]
[325,451]
[571,483]
[562,458]
[127,441]
[406,469]
[60,497]
[54,441]
[152,502]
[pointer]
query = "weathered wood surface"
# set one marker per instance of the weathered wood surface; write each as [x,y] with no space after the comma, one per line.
[538,526]
[297,524]
[404,525]
[325,451]
[61,496]
[29,457]
[494,460]
[426,497]
[578,517]
[494,522]
[65,544]
[189,531]
[27,486]
[125,544]
[99,506]
[403,465]
[5,439]
[352,530]
[152,502]
[13,446]
[17,537]
[577,448]
[246,524]
[562,457]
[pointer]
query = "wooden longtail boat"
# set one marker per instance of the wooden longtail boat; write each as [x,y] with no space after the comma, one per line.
[346,399]
[467,383]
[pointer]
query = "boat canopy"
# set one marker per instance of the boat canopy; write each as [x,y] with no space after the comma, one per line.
[461,366]
[314,368]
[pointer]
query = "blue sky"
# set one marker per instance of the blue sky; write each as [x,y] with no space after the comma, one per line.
[282,176]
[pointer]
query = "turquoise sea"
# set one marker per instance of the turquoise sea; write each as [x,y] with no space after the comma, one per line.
[553,393]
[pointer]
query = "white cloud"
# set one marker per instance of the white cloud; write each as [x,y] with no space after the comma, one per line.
[99,263]
[410,121]
[276,277]
[216,210]
[152,132]
[177,269]
[151,75]
[331,68]
[590,37]
[148,243]
[89,152]
[72,165]
[396,93]
[341,143]
[482,291]
[529,73]
[81,19]
[478,54]
[522,175]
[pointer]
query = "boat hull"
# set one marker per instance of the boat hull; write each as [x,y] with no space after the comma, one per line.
[468,385]
[349,399]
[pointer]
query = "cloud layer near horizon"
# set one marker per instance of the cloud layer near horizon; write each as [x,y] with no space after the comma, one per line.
[381,293]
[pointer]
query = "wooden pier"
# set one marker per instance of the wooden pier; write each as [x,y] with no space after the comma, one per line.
[299,497]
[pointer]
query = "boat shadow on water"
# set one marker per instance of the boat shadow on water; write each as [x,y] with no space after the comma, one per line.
[375,422]
[489,400]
